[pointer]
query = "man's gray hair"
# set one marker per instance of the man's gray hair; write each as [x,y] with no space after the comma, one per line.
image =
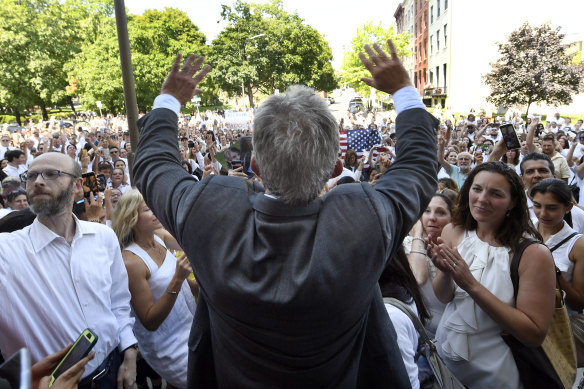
[296,144]
[11,181]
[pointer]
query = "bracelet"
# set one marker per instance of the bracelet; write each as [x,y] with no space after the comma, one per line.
[171,292]
[420,239]
[417,252]
[94,220]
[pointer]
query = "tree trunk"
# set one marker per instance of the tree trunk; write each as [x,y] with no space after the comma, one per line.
[45,113]
[527,111]
[17,116]
[72,106]
[250,96]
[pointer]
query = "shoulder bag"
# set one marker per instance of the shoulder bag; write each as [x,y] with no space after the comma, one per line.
[553,364]
[444,377]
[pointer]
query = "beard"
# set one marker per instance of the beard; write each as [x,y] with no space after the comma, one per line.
[54,205]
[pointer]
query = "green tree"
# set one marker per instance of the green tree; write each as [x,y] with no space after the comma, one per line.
[352,69]
[37,37]
[155,39]
[533,68]
[264,48]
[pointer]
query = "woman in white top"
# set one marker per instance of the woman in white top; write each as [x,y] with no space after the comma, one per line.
[119,180]
[437,215]
[552,202]
[473,258]
[162,299]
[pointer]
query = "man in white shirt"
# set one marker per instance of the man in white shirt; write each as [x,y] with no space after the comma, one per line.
[4,145]
[16,162]
[61,275]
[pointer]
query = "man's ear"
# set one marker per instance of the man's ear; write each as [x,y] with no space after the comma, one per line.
[254,166]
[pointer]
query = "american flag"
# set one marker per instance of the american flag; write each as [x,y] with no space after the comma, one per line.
[359,140]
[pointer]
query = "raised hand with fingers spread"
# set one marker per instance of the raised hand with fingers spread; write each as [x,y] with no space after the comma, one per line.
[389,75]
[180,83]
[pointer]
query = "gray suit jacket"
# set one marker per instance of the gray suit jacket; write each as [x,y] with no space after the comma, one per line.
[289,295]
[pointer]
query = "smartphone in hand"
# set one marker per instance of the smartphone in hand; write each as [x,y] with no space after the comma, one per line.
[77,352]
[510,137]
[90,184]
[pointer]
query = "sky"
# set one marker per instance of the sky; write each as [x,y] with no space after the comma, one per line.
[338,20]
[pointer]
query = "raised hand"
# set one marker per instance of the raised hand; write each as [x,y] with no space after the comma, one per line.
[180,83]
[183,267]
[389,75]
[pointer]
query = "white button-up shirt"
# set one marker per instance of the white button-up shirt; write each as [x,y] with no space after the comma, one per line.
[51,291]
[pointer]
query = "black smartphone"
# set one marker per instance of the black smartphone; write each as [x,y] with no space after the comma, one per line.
[246,150]
[510,137]
[102,182]
[90,184]
[77,352]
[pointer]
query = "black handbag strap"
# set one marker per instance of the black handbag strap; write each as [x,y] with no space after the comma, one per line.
[515,264]
[563,241]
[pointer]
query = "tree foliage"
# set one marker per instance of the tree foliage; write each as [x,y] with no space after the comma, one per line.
[534,68]
[264,48]
[352,68]
[155,38]
[37,39]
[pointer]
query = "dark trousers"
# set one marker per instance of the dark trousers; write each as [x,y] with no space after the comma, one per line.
[106,375]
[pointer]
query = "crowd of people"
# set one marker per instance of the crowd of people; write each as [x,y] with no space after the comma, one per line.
[208,276]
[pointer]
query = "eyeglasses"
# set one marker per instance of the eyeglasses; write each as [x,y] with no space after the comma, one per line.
[5,140]
[47,175]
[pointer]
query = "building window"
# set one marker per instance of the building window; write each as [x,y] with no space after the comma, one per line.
[431,14]
[431,77]
[437,75]
[425,76]
[438,40]
[431,45]
[437,9]
[444,67]
[445,35]
[445,4]
[425,48]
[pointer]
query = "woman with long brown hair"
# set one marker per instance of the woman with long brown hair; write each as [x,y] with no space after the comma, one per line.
[473,257]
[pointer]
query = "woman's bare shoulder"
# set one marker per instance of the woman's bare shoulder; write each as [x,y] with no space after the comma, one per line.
[452,235]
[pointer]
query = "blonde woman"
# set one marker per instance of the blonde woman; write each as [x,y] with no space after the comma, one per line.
[162,300]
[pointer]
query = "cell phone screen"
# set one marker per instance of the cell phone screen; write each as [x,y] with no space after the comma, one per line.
[102,182]
[510,137]
[90,184]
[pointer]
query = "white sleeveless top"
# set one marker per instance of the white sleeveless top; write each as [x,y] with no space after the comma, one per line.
[166,349]
[561,254]
[469,340]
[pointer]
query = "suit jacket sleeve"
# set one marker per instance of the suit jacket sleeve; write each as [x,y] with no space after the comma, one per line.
[168,189]
[406,188]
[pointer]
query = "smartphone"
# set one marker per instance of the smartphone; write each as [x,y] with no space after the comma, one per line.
[382,149]
[510,137]
[102,182]
[246,148]
[16,371]
[90,184]
[77,352]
